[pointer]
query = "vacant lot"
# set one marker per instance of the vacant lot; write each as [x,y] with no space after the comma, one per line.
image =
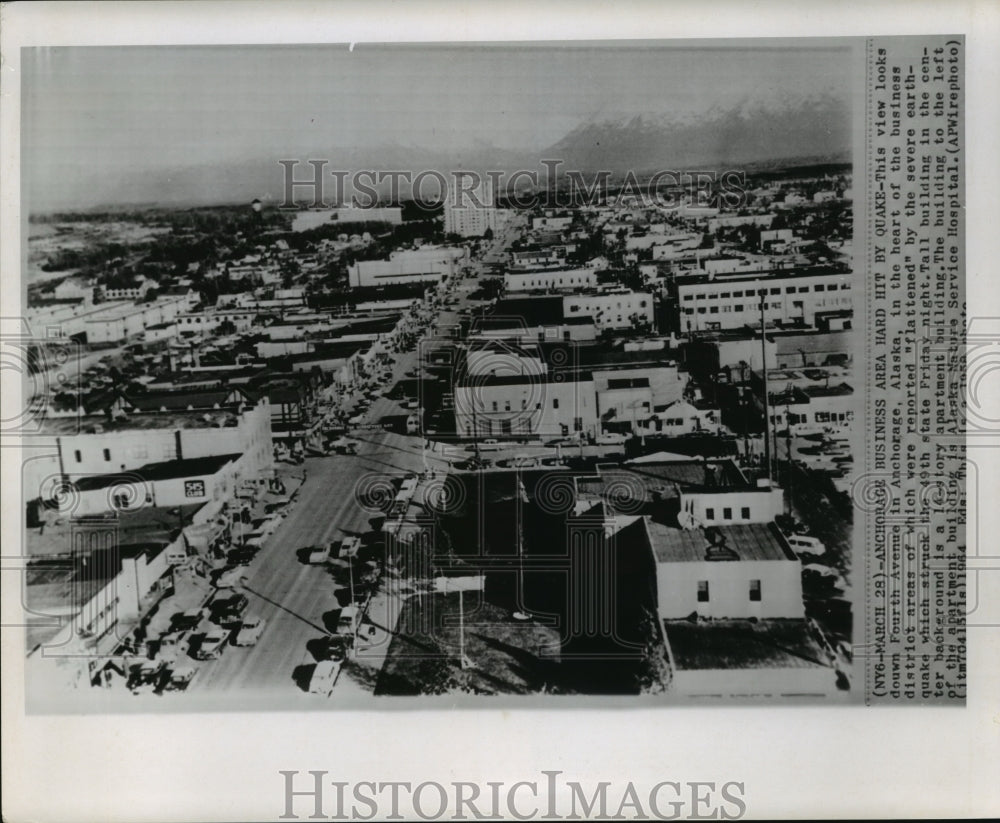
[506,656]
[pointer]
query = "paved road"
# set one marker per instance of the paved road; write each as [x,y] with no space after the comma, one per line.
[294,597]
[299,600]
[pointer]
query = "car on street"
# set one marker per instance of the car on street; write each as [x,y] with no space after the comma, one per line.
[611,439]
[350,546]
[230,578]
[349,620]
[333,647]
[806,544]
[181,677]
[490,445]
[147,675]
[191,619]
[250,632]
[319,554]
[345,446]
[230,609]
[241,556]
[213,644]
[324,677]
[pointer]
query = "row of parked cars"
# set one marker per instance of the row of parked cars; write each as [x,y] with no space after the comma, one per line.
[204,633]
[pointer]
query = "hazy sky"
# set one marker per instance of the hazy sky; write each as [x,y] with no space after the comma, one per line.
[124,110]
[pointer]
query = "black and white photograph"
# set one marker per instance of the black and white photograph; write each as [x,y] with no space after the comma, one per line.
[383,381]
[386,378]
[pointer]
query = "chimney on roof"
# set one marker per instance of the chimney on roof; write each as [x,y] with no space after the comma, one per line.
[717,548]
[710,476]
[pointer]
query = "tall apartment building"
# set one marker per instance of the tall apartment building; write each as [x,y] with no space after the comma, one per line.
[469,213]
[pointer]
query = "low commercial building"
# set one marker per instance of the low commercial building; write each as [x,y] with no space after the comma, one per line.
[564,279]
[681,417]
[306,220]
[748,660]
[416,266]
[165,484]
[540,258]
[728,589]
[617,309]
[543,405]
[121,322]
[551,221]
[225,422]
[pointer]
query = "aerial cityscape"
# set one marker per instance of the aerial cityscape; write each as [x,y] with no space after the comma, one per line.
[560,435]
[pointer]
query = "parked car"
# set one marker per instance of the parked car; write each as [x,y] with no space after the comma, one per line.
[230,609]
[250,632]
[344,446]
[804,544]
[350,546]
[319,554]
[490,445]
[147,674]
[611,439]
[230,578]
[181,677]
[213,644]
[241,556]
[324,677]
[349,620]
[191,619]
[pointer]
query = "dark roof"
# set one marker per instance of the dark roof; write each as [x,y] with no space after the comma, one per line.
[602,357]
[690,474]
[529,312]
[751,541]
[740,644]
[151,472]
[763,275]
[324,350]
[828,391]
[628,383]
[178,399]
[561,376]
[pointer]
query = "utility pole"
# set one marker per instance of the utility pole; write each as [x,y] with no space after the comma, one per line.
[743,407]
[461,628]
[475,425]
[767,418]
[788,454]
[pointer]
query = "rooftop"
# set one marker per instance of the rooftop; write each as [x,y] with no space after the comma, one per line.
[740,644]
[724,278]
[561,376]
[751,541]
[152,472]
[664,479]
[183,419]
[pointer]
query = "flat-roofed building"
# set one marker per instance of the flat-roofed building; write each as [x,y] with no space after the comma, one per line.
[563,279]
[424,265]
[612,309]
[313,219]
[540,258]
[166,427]
[537,405]
[120,322]
[792,297]
[163,484]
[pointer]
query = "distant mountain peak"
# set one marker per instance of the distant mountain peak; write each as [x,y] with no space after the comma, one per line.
[772,124]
